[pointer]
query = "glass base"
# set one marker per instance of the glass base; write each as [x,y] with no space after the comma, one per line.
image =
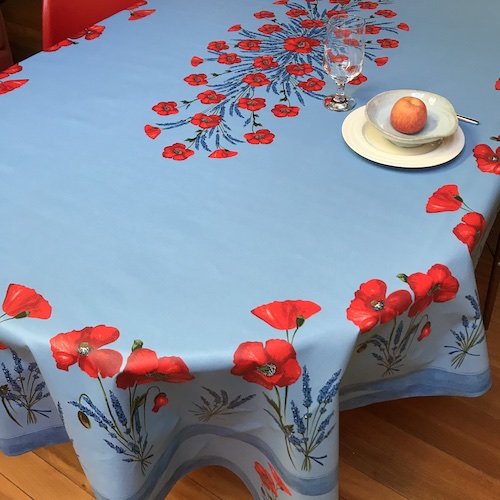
[336,103]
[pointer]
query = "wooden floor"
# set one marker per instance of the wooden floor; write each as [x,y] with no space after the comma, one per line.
[439,448]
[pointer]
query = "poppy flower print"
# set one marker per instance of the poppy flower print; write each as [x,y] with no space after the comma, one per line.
[281,59]
[151,131]
[144,366]
[159,401]
[470,230]
[437,285]
[445,199]
[287,314]
[21,302]
[271,365]
[425,332]
[84,347]
[487,160]
[371,305]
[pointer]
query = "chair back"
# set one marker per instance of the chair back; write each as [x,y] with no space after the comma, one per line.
[62,19]
[5,53]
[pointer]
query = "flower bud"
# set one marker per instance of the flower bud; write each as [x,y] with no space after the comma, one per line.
[160,400]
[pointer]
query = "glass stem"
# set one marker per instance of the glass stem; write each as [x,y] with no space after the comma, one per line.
[340,94]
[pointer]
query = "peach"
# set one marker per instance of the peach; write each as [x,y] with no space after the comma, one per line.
[409,115]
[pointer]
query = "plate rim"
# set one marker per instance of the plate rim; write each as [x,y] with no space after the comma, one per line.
[370,152]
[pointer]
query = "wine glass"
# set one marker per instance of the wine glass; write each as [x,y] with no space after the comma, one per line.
[343,56]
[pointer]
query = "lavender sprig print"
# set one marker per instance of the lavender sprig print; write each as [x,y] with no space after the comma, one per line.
[25,390]
[312,427]
[472,335]
[219,406]
[126,435]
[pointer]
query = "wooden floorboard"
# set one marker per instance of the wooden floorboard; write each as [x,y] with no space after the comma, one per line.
[440,448]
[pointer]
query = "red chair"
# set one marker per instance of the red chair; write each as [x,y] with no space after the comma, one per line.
[62,19]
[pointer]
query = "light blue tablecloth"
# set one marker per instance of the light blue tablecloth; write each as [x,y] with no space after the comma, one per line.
[193,279]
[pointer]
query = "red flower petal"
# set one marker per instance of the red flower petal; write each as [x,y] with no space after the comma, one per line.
[2,346]
[222,153]
[196,61]
[152,132]
[445,199]
[283,315]
[497,84]
[21,300]
[139,14]
[380,61]
[10,85]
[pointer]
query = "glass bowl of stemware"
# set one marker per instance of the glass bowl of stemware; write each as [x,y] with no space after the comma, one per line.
[441,122]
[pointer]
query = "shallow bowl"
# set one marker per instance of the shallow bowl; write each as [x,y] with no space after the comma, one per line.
[441,117]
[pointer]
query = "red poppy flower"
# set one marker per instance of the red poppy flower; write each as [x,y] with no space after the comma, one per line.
[437,285]
[261,136]
[222,153]
[84,347]
[205,121]
[143,366]
[266,479]
[296,12]
[312,23]
[487,159]
[252,103]
[160,400]
[380,61]
[385,13]
[445,199]
[196,79]
[301,44]
[368,5]
[287,314]
[256,79]
[335,12]
[218,45]
[425,332]
[340,2]
[177,151]
[388,43]
[299,69]
[235,27]
[2,346]
[267,29]
[21,301]
[265,62]
[284,111]
[312,84]
[249,44]
[279,482]
[371,306]
[371,29]
[166,108]
[471,230]
[264,14]
[497,84]
[230,58]
[196,61]
[281,2]
[358,80]
[274,364]
[210,97]
[58,45]
[403,26]
[139,14]
[152,132]
[91,33]
[10,85]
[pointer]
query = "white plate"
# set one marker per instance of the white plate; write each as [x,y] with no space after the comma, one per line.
[361,136]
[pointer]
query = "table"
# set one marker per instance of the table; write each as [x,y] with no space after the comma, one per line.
[198,270]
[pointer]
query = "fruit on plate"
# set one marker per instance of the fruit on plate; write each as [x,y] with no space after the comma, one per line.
[409,115]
